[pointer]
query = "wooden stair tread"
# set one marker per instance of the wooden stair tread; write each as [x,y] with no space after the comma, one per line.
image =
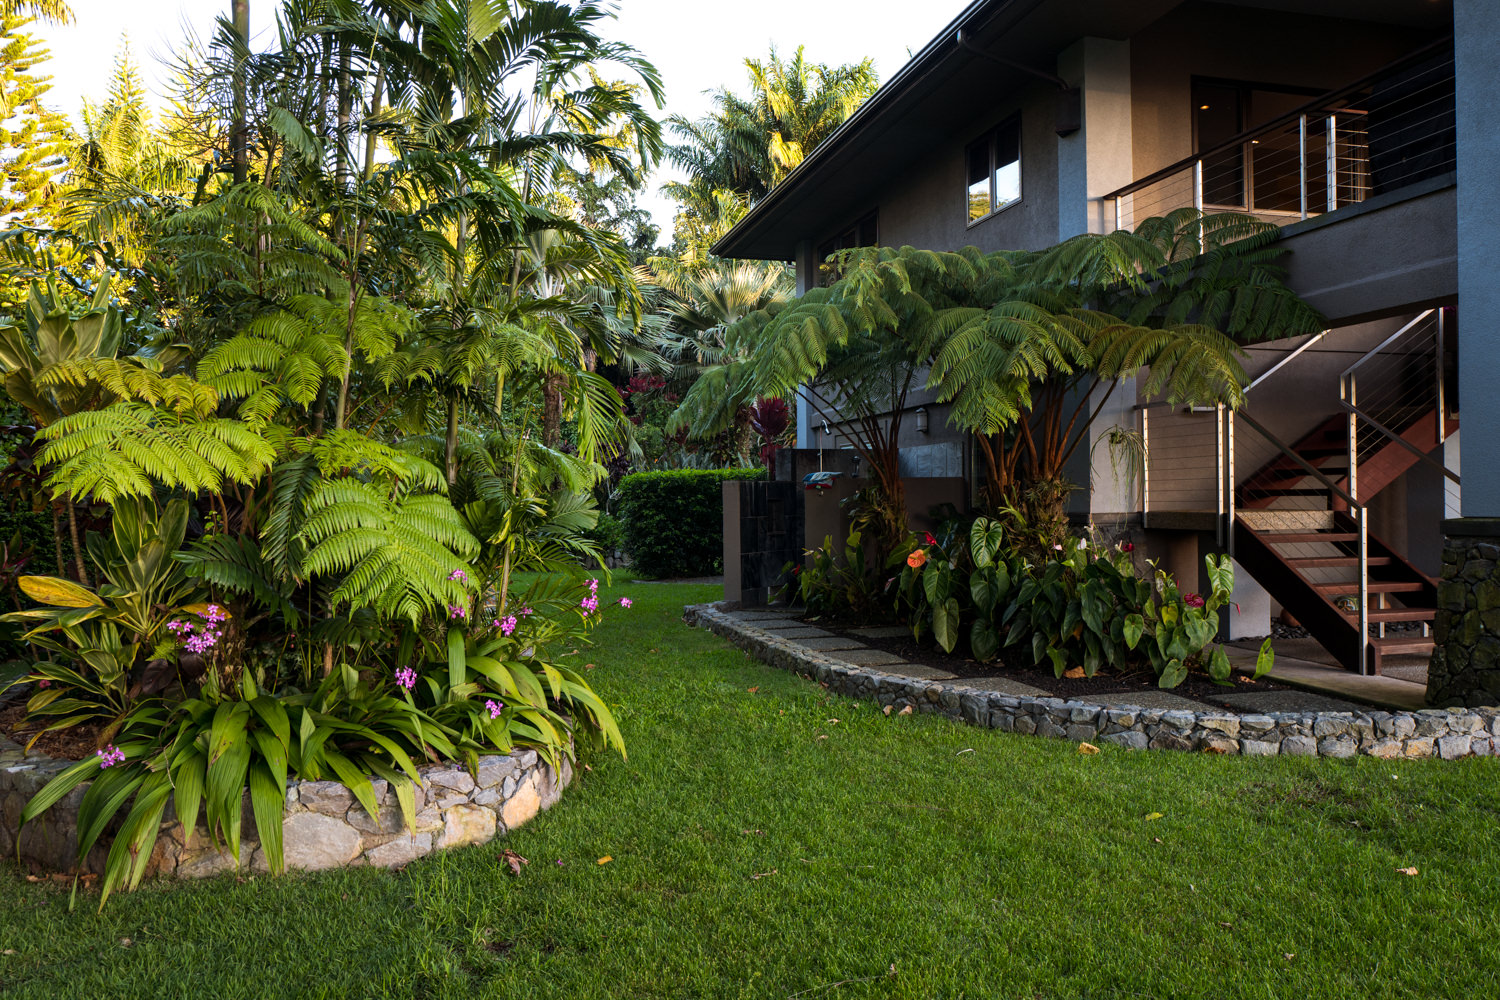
[1314,562]
[1309,536]
[1403,644]
[1374,587]
[1395,615]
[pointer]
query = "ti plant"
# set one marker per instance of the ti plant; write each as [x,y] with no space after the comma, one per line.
[101,639]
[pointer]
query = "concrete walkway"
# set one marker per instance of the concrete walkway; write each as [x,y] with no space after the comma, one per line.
[1303,663]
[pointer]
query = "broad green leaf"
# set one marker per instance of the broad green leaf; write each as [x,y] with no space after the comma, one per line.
[983,642]
[1059,660]
[268,803]
[1265,659]
[1134,628]
[945,621]
[1218,666]
[1173,674]
[57,592]
[456,657]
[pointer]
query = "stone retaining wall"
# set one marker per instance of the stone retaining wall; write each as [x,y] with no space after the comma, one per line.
[1465,668]
[1430,733]
[323,826]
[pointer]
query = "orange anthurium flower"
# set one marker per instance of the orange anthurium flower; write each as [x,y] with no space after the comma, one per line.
[917,559]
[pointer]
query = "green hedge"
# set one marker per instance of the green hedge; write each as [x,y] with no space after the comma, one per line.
[674,520]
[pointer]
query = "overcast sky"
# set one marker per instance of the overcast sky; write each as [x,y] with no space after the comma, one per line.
[698,45]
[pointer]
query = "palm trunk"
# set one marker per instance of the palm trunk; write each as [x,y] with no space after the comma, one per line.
[238,144]
[62,568]
[83,576]
[450,444]
[552,406]
[375,100]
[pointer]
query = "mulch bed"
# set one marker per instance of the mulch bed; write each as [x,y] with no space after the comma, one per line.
[1013,666]
[74,743]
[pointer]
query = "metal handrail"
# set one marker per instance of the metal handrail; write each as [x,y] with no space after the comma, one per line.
[1348,399]
[1361,521]
[1286,119]
[1378,348]
[1286,360]
[1398,439]
[1286,450]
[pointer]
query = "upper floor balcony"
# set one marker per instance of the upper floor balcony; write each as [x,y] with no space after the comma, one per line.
[1386,132]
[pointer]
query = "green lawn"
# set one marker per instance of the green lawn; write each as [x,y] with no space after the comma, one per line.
[763,849]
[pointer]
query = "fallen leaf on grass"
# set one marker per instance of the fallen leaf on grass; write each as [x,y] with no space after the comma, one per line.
[1289,955]
[1073,673]
[833,722]
[888,709]
[1226,923]
[604,860]
[754,689]
[1157,839]
[588,666]
[760,875]
[759,833]
[823,737]
[905,711]
[514,860]
[1407,871]
[8,951]
[125,942]
[1151,816]
[964,751]
[1087,748]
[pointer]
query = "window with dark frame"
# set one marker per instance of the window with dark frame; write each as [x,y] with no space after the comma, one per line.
[861,234]
[993,171]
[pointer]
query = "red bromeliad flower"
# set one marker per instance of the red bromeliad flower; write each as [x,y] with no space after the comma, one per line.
[1193,600]
[928,536]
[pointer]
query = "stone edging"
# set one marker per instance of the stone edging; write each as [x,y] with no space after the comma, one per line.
[322,827]
[1445,733]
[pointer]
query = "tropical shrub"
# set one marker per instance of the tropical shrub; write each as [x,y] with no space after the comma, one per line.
[674,519]
[828,585]
[106,638]
[1086,607]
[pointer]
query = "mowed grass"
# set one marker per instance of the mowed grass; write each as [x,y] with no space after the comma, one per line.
[771,841]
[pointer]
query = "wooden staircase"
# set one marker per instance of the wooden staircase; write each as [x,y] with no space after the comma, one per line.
[1308,559]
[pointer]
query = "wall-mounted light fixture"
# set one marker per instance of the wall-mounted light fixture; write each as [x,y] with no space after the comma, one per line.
[921,420]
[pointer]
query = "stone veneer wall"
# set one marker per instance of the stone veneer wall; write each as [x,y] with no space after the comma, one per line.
[323,826]
[1430,733]
[1465,667]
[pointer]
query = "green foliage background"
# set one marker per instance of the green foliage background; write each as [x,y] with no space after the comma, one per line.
[674,519]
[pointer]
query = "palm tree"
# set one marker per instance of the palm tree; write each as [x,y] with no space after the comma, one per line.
[747,145]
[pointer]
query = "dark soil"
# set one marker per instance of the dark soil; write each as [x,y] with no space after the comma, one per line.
[74,743]
[1013,664]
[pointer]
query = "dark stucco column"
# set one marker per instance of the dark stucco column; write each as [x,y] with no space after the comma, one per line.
[1465,667]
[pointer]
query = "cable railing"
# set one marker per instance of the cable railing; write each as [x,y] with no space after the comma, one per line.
[1382,133]
[1396,400]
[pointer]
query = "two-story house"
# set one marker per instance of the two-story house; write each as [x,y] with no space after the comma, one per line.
[1359,126]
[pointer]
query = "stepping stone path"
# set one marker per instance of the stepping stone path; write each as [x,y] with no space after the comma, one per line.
[872,658]
[1004,685]
[832,642]
[917,670]
[1146,699]
[882,632]
[1286,701]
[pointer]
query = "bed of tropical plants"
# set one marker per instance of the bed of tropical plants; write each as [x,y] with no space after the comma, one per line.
[310,381]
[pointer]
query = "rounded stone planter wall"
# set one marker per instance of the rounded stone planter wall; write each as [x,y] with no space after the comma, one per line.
[323,827]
